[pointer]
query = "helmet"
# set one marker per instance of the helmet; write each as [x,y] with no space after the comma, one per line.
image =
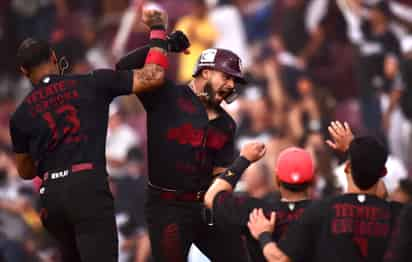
[294,166]
[222,60]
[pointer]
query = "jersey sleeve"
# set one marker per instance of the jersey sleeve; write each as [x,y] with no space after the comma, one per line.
[231,210]
[20,140]
[113,83]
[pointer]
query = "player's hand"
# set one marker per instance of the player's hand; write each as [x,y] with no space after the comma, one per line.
[258,223]
[341,136]
[178,42]
[253,151]
[154,17]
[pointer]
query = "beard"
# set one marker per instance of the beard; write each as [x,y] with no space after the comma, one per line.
[209,96]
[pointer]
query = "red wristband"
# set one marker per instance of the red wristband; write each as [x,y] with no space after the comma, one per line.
[158,58]
[158,34]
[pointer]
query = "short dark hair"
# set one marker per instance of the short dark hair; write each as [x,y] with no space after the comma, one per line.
[368,158]
[295,187]
[32,53]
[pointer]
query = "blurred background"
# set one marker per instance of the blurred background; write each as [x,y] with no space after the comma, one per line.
[307,61]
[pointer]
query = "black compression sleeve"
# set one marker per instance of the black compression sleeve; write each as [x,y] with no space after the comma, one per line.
[133,60]
[234,172]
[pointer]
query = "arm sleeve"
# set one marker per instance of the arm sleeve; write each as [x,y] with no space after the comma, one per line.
[230,210]
[299,241]
[133,60]
[20,141]
[113,83]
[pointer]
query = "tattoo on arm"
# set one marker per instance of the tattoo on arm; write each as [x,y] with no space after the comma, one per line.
[148,78]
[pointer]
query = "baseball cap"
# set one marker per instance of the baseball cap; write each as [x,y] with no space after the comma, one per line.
[294,166]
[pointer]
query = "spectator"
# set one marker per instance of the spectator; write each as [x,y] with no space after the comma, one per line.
[202,34]
[120,138]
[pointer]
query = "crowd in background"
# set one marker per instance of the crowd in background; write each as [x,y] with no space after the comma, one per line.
[307,62]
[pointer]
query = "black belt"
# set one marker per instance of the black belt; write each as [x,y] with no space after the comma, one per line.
[65,171]
[177,195]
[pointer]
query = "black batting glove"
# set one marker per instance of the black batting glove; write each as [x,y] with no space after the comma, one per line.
[177,42]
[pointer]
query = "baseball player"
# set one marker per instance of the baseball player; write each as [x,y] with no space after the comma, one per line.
[294,174]
[59,133]
[355,226]
[190,141]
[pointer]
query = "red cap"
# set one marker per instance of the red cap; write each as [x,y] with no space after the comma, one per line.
[294,166]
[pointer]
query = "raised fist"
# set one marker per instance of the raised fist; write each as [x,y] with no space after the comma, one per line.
[253,151]
[154,17]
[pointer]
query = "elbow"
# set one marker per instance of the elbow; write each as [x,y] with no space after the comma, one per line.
[208,201]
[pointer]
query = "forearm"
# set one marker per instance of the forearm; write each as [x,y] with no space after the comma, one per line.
[133,60]
[273,254]
[153,73]
[25,166]
[227,180]
[217,186]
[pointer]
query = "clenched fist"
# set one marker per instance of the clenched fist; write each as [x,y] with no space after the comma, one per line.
[154,17]
[253,151]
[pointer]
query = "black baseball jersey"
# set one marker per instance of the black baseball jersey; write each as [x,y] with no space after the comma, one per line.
[183,145]
[232,211]
[401,243]
[351,227]
[63,120]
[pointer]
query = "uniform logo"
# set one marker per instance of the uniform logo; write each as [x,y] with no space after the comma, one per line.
[295,177]
[361,198]
[208,56]
[230,173]
[46,80]
[59,174]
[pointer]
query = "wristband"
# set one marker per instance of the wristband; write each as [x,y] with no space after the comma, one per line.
[163,44]
[234,172]
[264,239]
[158,37]
[158,58]
[158,34]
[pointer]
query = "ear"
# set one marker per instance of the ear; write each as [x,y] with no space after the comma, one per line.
[24,71]
[205,74]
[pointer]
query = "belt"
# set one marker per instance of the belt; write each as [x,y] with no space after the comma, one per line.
[176,195]
[59,173]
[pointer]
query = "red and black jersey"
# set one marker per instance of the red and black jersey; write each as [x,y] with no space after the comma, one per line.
[63,120]
[401,243]
[232,211]
[183,145]
[351,227]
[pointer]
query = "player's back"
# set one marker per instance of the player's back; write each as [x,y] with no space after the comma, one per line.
[63,120]
[355,225]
